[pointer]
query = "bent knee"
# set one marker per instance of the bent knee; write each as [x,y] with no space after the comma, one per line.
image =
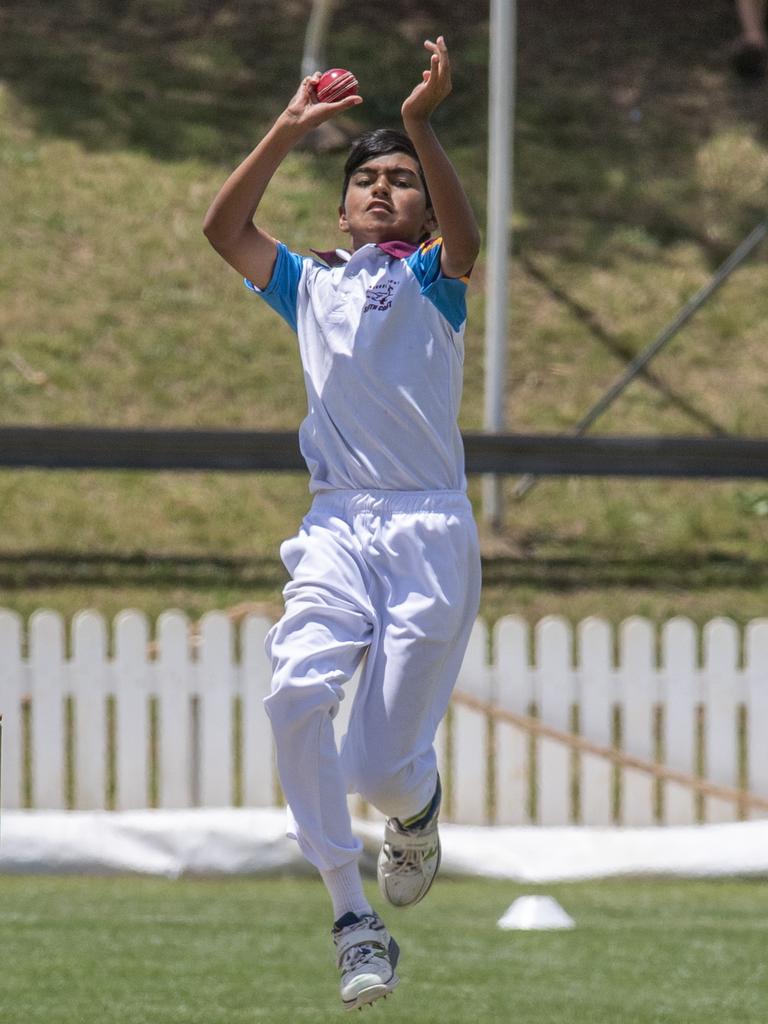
[293,703]
[389,791]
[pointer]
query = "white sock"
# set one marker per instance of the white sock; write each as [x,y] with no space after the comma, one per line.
[345,887]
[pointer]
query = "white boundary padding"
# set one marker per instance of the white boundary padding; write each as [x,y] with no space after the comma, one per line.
[241,841]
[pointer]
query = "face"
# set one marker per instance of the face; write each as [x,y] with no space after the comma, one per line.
[385,202]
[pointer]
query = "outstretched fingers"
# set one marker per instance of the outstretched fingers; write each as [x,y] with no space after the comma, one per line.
[440,60]
[439,72]
[434,86]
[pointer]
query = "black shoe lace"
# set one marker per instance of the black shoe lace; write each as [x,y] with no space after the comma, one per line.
[357,955]
[406,860]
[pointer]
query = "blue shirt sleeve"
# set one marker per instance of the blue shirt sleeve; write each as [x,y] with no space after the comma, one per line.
[447,294]
[282,291]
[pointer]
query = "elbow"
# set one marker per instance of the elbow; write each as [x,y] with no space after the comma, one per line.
[216,237]
[214,227]
[224,236]
[473,248]
[463,260]
[465,254]
[209,228]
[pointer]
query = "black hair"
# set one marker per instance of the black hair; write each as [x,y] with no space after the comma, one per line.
[380,142]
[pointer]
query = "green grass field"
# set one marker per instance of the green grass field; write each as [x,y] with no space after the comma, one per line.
[640,162]
[133,951]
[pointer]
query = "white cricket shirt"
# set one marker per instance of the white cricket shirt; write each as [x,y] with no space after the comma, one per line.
[381,337]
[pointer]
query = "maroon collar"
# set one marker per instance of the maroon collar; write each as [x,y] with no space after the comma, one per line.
[397,250]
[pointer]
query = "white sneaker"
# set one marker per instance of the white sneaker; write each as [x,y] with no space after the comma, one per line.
[409,859]
[366,955]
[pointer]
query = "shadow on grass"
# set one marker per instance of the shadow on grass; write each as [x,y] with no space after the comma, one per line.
[172,79]
[177,78]
[603,99]
[597,570]
[612,101]
[31,570]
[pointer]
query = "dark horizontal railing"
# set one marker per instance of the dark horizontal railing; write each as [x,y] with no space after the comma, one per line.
[253,451]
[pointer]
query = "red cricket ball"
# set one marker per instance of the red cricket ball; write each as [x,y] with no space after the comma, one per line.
[335,85]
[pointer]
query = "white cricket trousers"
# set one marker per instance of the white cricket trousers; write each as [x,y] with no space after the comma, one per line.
[394,575]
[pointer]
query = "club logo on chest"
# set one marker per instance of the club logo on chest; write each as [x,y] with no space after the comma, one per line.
[379,297]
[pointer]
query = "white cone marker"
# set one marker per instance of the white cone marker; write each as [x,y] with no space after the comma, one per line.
[531,913]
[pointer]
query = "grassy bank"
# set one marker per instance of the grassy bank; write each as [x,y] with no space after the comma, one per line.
[640,163]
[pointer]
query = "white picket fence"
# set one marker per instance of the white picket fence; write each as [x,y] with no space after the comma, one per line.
[128,720]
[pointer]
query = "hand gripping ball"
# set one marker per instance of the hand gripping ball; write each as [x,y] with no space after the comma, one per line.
[335,85]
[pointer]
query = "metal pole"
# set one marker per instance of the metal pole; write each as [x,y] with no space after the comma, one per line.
[313,58]
[498,232]
[641,360]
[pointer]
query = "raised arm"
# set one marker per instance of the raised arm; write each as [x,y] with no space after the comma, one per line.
[461,235]
[228,224]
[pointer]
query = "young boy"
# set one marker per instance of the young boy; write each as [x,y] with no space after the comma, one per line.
[386,563]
